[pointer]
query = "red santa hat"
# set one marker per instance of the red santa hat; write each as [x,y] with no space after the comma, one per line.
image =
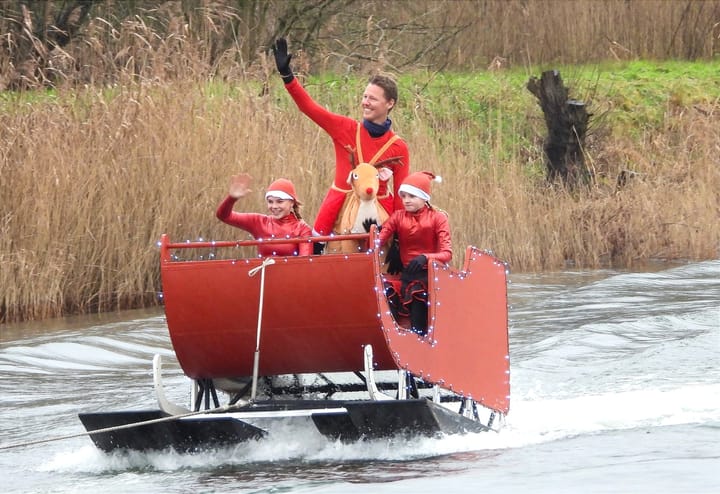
[282,188]
[418,184]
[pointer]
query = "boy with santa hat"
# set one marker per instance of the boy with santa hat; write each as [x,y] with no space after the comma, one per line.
[423,236]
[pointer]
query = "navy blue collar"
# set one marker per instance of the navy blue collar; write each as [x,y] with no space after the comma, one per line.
[376,130]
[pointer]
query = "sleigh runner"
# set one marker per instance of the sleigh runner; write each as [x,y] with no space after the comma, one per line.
[311,342]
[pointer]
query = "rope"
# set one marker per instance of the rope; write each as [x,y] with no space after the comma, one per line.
[224,408]
[256,362]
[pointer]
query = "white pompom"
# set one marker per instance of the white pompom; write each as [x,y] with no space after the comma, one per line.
[437,179]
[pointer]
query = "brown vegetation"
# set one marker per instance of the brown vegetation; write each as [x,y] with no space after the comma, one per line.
[90,177]
[108,42]
[89,184]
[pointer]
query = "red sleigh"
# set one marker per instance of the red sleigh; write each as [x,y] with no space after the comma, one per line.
[313,338]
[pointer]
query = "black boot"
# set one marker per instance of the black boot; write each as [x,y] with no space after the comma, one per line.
[393,299]
[318,248]
[418,317]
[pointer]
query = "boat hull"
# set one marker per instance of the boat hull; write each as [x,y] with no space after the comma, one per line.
[173,433]
[337,420]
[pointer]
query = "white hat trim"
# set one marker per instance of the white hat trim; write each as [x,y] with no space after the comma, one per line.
[279,194]
[417,192]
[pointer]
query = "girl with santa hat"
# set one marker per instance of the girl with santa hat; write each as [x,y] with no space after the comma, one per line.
[423,235]
[284,220]
[370,141]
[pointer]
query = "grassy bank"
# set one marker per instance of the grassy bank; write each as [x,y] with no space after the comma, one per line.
[90,179]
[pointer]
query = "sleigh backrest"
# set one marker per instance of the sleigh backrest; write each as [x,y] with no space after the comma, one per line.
[317,314]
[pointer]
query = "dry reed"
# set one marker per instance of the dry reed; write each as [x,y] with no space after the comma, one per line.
[90,182]
[90,178]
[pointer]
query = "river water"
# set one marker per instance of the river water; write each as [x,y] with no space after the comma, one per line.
[615,388]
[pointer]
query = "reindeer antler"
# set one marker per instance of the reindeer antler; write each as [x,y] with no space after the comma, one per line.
[351,151]
[393,159]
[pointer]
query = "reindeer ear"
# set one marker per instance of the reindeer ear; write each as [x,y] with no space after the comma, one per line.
[350,177]
[385,173]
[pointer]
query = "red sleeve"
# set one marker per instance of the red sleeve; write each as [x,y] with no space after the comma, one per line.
[305,248]
[326,119]
[225,209]
[341,130]
[250,222]
[389,227]
[443,254]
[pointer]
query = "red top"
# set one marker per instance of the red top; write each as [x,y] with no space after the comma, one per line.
[267,227]
[425,232]
[343,131]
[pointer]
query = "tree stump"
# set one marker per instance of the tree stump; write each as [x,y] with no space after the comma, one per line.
[567,122]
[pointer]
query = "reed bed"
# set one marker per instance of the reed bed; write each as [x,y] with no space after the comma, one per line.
[90,179]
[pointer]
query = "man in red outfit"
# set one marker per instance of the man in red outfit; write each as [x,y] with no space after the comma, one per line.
[370,141]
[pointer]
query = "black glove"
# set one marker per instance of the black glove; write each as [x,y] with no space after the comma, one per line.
[368,222]
[392,259]
[416,264]
[318,248]
[282,59]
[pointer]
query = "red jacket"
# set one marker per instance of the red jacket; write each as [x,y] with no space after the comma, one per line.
[343,131]
[425,232]
[265,226]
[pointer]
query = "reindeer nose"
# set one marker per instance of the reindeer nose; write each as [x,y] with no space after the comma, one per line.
[369,191]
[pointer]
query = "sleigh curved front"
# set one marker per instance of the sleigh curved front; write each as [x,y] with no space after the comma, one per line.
[466,348]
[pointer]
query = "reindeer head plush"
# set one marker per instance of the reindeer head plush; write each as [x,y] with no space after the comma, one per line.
[365,181]
[360,204]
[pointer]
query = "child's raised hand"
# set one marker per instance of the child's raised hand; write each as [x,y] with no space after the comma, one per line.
[240,185]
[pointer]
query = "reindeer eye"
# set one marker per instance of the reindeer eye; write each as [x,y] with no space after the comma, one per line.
[355,176]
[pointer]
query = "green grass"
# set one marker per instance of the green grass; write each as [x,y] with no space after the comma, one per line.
[632,98]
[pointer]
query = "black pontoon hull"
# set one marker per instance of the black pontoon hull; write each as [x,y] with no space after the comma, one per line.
[343,420]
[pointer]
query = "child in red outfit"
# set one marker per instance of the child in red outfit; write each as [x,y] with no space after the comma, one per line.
[284,220]
[423,235]
[371,141]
